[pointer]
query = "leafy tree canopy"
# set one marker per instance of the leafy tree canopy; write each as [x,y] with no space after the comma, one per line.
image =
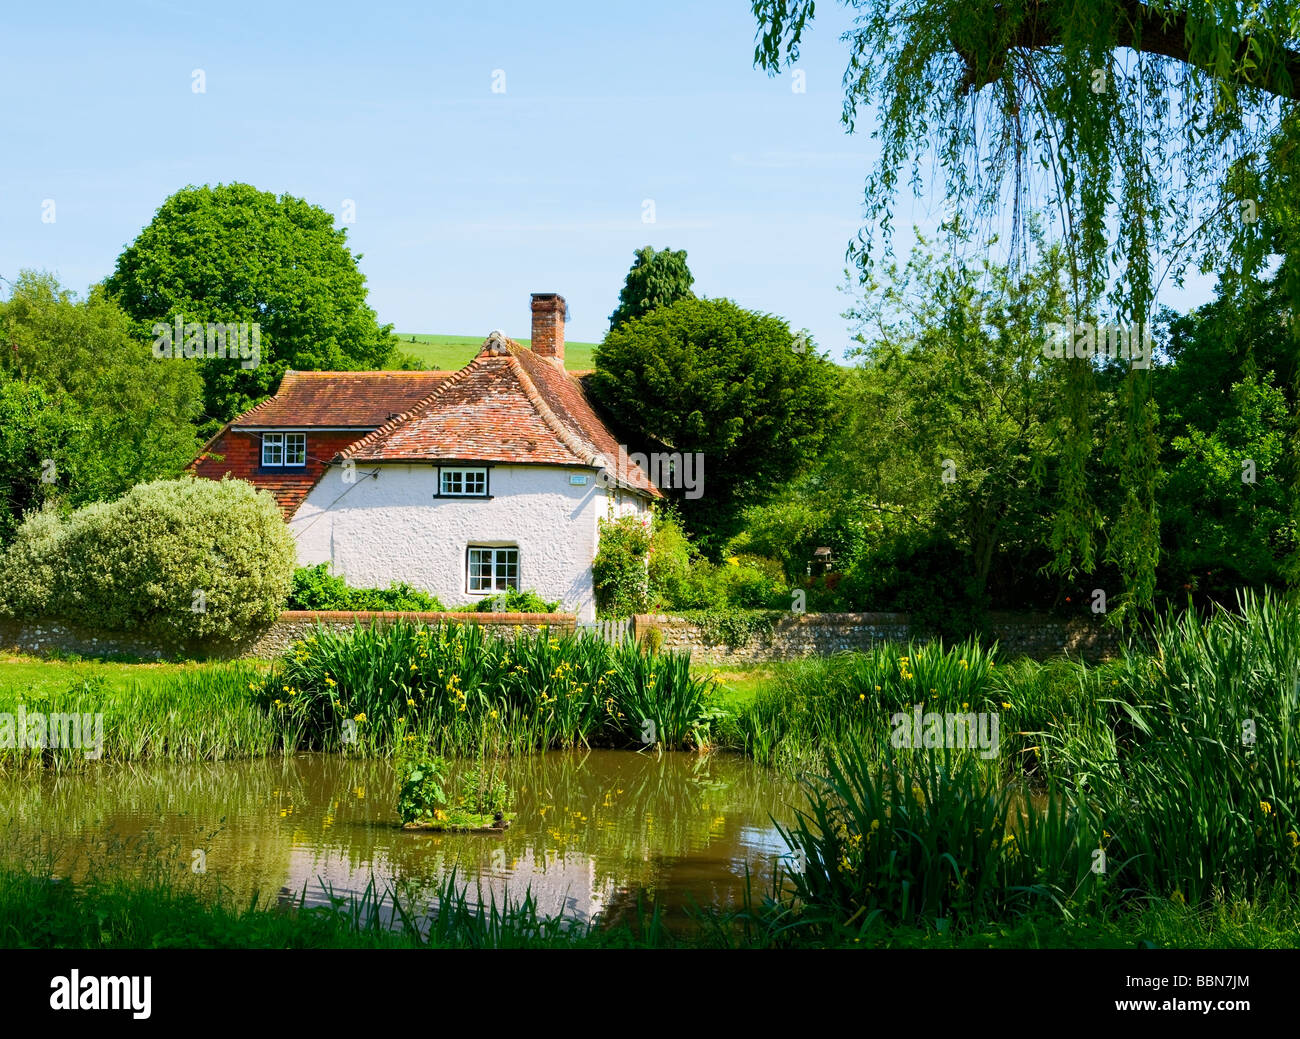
[655,280]
[86,410]
[234,254]
[1161,134]
[705,375]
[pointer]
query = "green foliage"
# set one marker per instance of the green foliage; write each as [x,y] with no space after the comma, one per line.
[924,839]
[1228,398]
[315,588]
[514,601]
[735,385]
[655,280]
[86,411]
[304,288]
[452,689]
[733,626]
[422,794]
[185,560]
[1124,145]
[150,715]
[619,571]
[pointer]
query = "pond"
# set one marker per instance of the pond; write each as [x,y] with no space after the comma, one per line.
[595,833]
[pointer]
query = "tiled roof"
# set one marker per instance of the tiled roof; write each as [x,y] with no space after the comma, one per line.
[354,400]
[507,405]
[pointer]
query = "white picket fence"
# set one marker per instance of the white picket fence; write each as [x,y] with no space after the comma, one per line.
[612,631]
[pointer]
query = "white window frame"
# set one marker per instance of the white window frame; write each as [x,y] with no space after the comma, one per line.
[449,478]
[276,448]
[499,562]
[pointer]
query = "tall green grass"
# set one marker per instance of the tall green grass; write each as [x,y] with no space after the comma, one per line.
[1169,774]
[207,714]
[454,688]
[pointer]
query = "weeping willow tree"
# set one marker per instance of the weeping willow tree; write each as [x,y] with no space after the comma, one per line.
[1162,135]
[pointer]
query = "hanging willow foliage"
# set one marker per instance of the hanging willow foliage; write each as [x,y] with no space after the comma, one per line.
[1163,135]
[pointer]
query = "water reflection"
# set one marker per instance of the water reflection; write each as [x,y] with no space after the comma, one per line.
[595,831]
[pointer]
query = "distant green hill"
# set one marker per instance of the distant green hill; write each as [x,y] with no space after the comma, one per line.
[448,353]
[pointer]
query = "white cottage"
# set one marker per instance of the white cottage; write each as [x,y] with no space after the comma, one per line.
[463,484]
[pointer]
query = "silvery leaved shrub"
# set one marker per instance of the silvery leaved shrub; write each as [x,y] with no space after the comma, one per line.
[182,559]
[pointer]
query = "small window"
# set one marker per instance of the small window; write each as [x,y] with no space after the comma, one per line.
[493,569]
[465,483]
[281,449]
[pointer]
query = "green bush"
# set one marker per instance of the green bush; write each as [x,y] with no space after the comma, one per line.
[315,588]
[619,571]
[181,559]
[513,601]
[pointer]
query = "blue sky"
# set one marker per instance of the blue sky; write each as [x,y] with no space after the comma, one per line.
[466,200]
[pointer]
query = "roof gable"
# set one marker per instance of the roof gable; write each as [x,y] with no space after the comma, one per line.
[340,400]
[508,406]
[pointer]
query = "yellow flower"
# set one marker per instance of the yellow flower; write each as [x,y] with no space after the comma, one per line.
[410,702]
[1268,808]
[1005,705]
[1177,896]
[862,696]
[279,703]
[493,714]
[360,717]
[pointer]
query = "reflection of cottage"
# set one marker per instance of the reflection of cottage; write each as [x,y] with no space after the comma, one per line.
[463,483]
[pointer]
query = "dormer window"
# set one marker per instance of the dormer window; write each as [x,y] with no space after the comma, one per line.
[284,450]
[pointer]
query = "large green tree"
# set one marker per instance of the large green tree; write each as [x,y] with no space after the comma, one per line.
[86,410]
[654,280]
[736,386]
[1161,134]
[1227,405]
[234,254]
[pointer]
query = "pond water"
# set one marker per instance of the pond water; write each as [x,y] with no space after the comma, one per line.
[595,831]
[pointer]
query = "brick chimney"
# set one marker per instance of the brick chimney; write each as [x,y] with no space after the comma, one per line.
[548,325]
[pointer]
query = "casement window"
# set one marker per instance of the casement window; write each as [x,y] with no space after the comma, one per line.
[284,449]
[462,483]
[493,569]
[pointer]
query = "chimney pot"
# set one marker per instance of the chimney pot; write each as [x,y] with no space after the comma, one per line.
[548,325]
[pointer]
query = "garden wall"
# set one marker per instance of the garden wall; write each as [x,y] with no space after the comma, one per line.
[791,636]
[44,637]
[820,634]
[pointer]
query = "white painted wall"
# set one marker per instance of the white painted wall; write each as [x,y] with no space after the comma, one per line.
[392,528]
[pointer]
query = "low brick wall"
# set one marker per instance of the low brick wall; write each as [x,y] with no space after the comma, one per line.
[820,634]
[44,637]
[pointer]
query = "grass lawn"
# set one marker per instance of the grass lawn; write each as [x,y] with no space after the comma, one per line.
[740,682]
[449,353]
[20,673]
